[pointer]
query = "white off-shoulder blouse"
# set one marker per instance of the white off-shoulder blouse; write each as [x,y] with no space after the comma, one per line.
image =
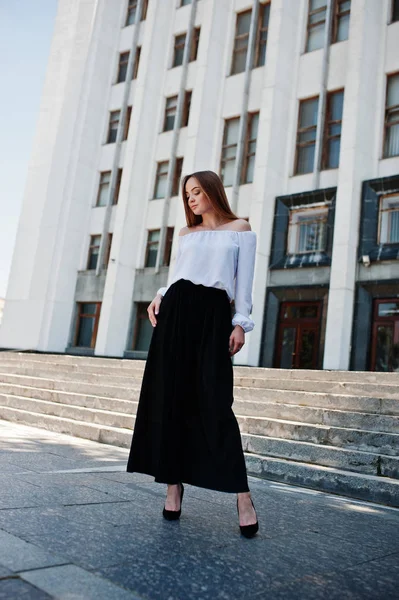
[223,259]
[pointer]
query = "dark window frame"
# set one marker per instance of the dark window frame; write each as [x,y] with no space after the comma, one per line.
[132,6]
[80,315]
[91,254]
[102,184]
[387,112]
[337,16]
[310,26]
[302,130]
[328,122]
[248,141]
[114,118]
[238,38]
[261,39]
[225,147]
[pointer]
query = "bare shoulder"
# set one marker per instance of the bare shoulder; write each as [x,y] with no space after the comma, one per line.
[184,231]
[241,225]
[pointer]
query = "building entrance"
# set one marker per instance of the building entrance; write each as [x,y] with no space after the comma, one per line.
[298,335]
[385,335]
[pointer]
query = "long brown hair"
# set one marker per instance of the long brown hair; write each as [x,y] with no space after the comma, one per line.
[213,188]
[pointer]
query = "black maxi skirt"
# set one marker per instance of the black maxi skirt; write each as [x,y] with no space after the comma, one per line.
[185,429]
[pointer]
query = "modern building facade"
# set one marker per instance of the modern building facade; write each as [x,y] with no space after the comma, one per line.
[295,103]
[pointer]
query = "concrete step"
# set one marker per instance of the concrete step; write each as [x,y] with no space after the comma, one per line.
[339,437]
[68,411]
[130,388]
[240,371]
[327,456]
[318,416]
[104,411]
[380,390]
[381,490]
[115,436]
[273,410]
[66,397]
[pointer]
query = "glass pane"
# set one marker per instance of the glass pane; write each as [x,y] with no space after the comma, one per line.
[293,311]
[343,28]
[103,194]
[392,141]
[337,104]
[250,170]
[315,38]
[314,4]
[307,136]
[305,159]
[105,177]
[230,152]
[88,308]
[333,153]
[239,62]
[185,2]
[152,256]
[334,129]
[144,334]
[122,73]
[306,349]
[85,332]
[393,91]
[160,189]
[232,131]
[308,113]
[395,10]
[131,16]
[169,122]
[384,347]
[394,227]
[288,348]
[227,174]
[178,60]
[388,309]
[243,22]
[154,235]
[254,126]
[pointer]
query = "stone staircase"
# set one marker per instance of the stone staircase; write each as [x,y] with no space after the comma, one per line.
[336,431]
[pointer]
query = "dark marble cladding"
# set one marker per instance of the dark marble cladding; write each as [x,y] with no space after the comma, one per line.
[363,319]
[279,257]
[368,240]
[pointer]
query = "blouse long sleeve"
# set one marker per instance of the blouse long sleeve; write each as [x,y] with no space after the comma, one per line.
[244,280]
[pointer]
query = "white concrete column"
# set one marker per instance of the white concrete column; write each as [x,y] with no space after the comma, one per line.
[358,161]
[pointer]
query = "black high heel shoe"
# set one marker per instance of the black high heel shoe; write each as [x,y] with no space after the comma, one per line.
[172,515]
[248,530]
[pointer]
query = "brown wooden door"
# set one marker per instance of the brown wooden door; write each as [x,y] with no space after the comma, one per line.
[298,336]
[385,335]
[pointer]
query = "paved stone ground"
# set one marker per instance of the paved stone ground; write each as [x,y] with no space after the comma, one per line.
[75,525]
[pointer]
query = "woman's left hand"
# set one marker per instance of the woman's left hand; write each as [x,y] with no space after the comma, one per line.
[237,340]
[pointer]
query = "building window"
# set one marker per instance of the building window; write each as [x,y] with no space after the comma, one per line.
[152,248]
[185,2]
[113,126]
[161,178]
[250,148]
[132,9]
[122,69]
[168,246]
[263,26]
[103,188]
[108,250]
[392,117]
[117,186]
[307,231]
[395,10]
[341,16]
[332,130]
[180,41]
[241,39]
[389,219]
[306,136]
[94,249]
[229,150]
[142,332]
[186,108]
[316,24]
[136,62]
[177,176]
[179,50]
[127,123]
[88,317]
[170,113]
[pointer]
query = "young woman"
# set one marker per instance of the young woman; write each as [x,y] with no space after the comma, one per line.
[185,428]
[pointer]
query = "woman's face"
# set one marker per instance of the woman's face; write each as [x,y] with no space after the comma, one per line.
[197,200]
